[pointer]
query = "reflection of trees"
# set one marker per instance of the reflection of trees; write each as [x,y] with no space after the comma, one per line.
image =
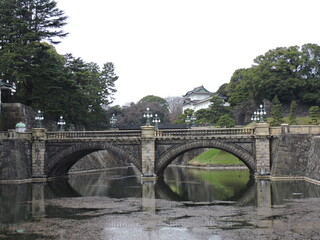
[163,191]
[14,199]
[247,196]
[202,185]
[178,184]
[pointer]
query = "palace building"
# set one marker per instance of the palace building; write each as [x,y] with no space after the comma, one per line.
[199,98]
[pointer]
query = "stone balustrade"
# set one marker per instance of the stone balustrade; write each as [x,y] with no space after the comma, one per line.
[4,135]
[205,132]
[93,134]
[295,129]
[273,131]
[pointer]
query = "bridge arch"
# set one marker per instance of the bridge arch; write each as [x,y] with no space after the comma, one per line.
[167,157]
[61,162]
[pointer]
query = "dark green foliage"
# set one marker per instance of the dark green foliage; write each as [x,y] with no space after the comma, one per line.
[217,109]
[151,98]
[185,117]
[314,114]
[276,112]
[90,92]
[203,116]
[292,115]
[45,80]
[226,121]
[23,25]
[223,90]
[291,73]
[133,114]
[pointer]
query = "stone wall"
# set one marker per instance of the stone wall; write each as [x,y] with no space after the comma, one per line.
[295,155]
[15,159]
[14,113]
[97,161]
[313,167]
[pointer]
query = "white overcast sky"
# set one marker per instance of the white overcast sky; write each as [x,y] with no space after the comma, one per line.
[168,47]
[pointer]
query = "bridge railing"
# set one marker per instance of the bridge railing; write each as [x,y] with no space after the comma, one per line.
[93,134]
[206,132]
[295,129]
[4,135]
[13,134]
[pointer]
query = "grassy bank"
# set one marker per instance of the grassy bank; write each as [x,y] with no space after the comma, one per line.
[215,157]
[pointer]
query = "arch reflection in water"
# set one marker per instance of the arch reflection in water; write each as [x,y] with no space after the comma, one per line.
[208,185]
[24,202]
[178,184]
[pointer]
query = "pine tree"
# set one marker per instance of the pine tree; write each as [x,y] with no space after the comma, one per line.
[226,121]
[314,114]
[23,25]
[276,112]
[292,115]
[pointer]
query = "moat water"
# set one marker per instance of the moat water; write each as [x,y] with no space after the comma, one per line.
[186,204]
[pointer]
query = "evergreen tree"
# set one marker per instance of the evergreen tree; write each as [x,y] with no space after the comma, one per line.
[276,112]
[314,114]
[23,25]
[185,117]
[217,109]
[292,115]
[291,73]
[226,121]
[90,92]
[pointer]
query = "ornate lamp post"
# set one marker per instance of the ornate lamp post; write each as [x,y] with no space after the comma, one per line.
[156,120]
[39,118]
[193,119]
[187,121]
[259,114]
[254,117]
[61,123]
[113,121]
[148,114]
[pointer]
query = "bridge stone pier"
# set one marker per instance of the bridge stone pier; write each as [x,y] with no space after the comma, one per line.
[267,151]
[262,145]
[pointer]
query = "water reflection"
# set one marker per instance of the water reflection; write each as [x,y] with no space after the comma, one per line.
[208,185]
[27,202]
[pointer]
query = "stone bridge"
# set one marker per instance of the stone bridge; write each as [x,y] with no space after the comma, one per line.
[50,155]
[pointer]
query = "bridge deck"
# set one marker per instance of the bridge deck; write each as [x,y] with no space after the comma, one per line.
[137,133]
[109,134]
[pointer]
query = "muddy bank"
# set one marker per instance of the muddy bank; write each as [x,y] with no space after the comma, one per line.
[135,218]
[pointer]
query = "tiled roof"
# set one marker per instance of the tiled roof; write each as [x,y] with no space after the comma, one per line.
[198,90]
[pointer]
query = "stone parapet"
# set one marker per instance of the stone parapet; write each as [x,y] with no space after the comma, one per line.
[262,129]
[295,129]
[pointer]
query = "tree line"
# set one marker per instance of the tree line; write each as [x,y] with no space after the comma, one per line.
[56,84]
[284,76]
[82,91]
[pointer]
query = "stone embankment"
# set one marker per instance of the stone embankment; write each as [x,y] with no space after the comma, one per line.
[296,156]
[15,159]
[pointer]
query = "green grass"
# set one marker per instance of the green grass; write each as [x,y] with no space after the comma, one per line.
[215,157]
[226,183]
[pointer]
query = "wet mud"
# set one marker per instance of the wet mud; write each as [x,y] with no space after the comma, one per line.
[104,218]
